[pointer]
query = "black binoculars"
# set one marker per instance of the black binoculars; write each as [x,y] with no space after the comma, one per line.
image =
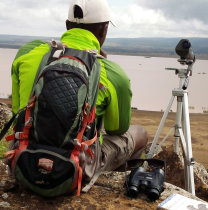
[148,182]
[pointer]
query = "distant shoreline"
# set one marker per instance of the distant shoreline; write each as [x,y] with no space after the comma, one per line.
[199,57]
[142,46]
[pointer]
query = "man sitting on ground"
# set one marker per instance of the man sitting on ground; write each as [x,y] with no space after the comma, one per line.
[87,26]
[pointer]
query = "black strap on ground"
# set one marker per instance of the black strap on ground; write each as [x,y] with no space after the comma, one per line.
[6,127]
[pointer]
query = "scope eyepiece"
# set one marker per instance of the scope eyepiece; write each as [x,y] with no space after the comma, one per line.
[186,44]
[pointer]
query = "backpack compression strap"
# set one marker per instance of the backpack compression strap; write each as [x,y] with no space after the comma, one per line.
[21,136]
[82,145]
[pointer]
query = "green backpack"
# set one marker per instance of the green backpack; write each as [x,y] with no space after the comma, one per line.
[57,124]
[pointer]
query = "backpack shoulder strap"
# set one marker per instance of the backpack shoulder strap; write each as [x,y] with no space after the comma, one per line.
[87,58]
[45,60]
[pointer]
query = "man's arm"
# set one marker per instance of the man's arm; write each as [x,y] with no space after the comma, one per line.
[24,69]
[116,99]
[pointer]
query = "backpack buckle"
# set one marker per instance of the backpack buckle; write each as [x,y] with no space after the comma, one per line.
[20,135]
[80,146]
[28,124]
[77,143]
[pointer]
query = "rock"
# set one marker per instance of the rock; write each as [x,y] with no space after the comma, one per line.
[4,204]
[109,192]
[5,196]
[5,114]
[2,183]
[172,189]
[175,172]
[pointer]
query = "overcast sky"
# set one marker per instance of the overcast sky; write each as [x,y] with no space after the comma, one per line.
[134,18]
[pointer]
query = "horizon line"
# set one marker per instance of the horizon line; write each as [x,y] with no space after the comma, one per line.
[145,37]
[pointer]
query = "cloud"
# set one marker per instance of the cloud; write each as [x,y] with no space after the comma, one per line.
[178,10]
[143,19]
[34,17]
[134,18]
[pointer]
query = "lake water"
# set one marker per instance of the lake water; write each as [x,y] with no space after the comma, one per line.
[151,84]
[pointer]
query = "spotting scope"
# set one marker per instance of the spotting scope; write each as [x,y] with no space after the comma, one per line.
[184,50]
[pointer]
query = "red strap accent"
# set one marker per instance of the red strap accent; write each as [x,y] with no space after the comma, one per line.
[23,145]
[10,137]
[28,122]
[91,141]
[17,135]
[74,156]
[92,115]
[9,155]
[31,103]
[89,151]
[84,125]
[79,181]
[101,86]
[23,136]
[85,144]
[87,119]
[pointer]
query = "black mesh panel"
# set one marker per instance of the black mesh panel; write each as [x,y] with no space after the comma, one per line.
[57,108]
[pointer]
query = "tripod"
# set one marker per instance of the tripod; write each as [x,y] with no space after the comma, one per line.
[181,128]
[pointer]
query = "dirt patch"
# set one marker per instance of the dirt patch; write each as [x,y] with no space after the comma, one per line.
[175,172]
[6,101]
[108,192]
[199,132]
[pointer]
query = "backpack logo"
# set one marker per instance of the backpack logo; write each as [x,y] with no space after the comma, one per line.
[45,165]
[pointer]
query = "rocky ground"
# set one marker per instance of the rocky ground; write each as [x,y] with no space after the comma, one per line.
[5,113]
[109,191]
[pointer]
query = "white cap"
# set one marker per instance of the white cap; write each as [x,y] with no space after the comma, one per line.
[94,11]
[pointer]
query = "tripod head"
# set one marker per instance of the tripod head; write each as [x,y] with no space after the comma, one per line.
[187,57]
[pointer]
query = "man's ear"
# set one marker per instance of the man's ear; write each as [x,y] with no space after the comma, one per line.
[102,32]
[68,25]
